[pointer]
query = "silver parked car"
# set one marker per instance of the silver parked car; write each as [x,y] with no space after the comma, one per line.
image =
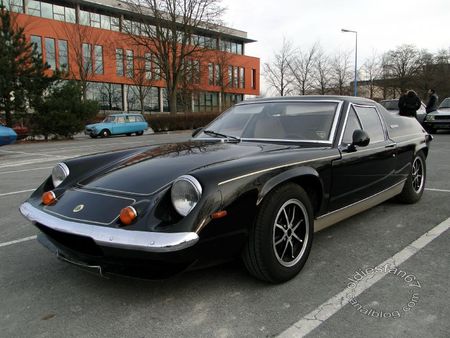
[439,119]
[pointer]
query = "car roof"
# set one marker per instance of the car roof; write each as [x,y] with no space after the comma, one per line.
[123,114]
[352,99]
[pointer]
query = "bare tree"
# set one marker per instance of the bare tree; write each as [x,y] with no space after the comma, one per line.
[302,67]
[340,72]
[86,49]
[372,70]
[322,73]
[168,28]
[403,64]
[278,73]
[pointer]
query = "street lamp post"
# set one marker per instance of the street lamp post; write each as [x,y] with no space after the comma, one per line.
[355,82]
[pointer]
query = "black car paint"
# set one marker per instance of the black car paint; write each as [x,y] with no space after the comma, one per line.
[235,177]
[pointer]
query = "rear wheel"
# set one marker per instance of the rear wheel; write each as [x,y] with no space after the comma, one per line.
[105,133]
[281,237]
[415,183]
[128,134]
[139,133]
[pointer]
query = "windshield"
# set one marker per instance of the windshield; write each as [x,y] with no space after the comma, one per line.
[390,105]
[305,121]
[109,119]
[445,103]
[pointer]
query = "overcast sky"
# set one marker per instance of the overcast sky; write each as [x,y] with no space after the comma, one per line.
[381,24]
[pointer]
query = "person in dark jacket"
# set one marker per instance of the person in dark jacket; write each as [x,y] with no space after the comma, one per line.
[432,101]
[401,104]
[410,104]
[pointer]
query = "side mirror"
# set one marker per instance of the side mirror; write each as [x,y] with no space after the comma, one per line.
[360,138]
[197,131]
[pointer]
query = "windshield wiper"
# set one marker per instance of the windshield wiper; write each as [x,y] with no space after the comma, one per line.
[228,137]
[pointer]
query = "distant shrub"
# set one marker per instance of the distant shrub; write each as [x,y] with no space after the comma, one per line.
[183,121]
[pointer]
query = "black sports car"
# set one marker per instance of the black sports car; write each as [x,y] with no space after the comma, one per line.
[256,183]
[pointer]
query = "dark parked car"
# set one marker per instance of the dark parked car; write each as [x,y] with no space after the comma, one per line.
[439,119]
[392,106]
[256,183]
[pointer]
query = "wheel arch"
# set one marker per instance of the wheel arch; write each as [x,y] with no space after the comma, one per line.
[306,177]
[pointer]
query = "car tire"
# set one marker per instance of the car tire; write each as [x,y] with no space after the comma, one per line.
[105,133]
[139,133]
[93,135]
[128,134]
[278,244]
[415,183]
[430,130]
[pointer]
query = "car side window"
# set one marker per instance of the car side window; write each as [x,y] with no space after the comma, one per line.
[120,119]
[371,123]
[131,119]
[352,125]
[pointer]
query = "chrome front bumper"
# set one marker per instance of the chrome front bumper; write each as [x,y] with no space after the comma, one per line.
[113,237]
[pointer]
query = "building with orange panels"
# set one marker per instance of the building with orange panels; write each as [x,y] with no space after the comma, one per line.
[89,40]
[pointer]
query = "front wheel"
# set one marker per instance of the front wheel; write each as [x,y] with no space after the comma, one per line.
[105,133]
[415,183]
[281,237]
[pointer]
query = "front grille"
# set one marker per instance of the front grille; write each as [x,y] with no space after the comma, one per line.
[77,243]
[437,117]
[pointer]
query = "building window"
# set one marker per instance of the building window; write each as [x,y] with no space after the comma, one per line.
[63,55]
[241,77]
[230,76]
[105,21]
[210,74]
[50,55]
[34,8]
[115,24]
[87,58]
[130,68]
[235,77]
[148,66]
[119,62]
[98,54]
[50,11]
[58,13]
[95,20]
[14,5]
[84,18]
[253,79]
[217,75]
[156,68]
[37,41]
[46,10]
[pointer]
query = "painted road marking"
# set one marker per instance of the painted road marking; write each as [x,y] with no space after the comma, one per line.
[16,192]
[438,190]
[318,316]
[18,241]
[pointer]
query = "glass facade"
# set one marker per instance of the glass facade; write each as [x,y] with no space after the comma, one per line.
[130,63]
[108,95]
[13,5]
[51,11]
[98,20]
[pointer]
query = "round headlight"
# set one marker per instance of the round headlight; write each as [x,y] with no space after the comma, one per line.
[186,192]
[59,174]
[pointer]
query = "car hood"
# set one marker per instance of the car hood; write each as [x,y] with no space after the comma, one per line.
[148,171]
[442,111]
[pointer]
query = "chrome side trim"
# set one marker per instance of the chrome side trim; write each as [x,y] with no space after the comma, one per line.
[336,216]
[334,157]
[113,237]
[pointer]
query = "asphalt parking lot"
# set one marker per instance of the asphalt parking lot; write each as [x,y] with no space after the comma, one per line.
[348,287]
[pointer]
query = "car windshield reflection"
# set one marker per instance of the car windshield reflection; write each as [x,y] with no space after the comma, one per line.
[277,121]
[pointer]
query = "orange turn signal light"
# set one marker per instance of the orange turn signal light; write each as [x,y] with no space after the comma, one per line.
[219,214]
[128,215]
[48,198]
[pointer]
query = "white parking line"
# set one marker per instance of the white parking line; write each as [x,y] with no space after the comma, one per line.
[16,192]
[18,241]
[438,190]
[24,170]
[318,316]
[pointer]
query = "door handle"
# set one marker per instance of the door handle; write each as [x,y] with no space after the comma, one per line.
[392,145]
